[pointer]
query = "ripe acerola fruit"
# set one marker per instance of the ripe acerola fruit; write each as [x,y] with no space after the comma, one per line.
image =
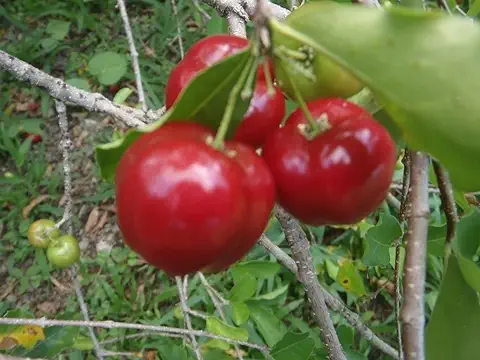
[263,116]
[338,176]
[184,206]
[202,55]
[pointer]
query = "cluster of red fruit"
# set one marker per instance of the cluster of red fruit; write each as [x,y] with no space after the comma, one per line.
[186,206]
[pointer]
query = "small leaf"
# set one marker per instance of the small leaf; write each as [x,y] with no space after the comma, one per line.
[436,239]
[217,344]
[122,95]
[79,83]
[273,294]
[258,268]
[58,29]
[293,346]
[108,67]
[240,312]
[349,278]
[218,327]
[203,100]
[217,25]
[379,239]
[26,336]
[452,332]
[270,327]
[393,253]
[466,245]
[244,288]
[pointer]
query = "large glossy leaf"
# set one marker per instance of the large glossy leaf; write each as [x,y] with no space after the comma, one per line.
[422,66]
[466,245]
[452,332]
[203,100]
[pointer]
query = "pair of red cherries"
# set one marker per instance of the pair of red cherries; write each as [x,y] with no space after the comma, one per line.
[186,206]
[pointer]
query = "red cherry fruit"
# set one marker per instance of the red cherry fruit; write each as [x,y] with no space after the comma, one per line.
[263,116]
[182,204]
[201,55]
[260,189]
[338,177]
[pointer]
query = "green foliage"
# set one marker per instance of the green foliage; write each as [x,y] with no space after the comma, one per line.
[108,67]
[451,332]
[379,239]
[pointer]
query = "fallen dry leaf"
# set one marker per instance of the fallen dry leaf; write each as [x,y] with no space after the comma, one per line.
[47,307]
[111,208]
[92,219]
[150,354]
[27,209]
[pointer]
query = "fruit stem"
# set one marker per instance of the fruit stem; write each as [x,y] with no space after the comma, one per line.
[232,100]
[268,78]
[249,86]
[303,105]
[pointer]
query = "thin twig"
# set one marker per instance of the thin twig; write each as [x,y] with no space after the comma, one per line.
[66,144]
[448,205]
[332,302]
[218,306]
[211,289]
[60,90]
[186,316]
[43,322]
[298,242]
[413,310]
[133,53]
[140,335]
[404,206]
[179,33]
[393,201]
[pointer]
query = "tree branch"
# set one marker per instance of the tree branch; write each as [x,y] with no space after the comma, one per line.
[413,310]
[43,322]
[133,53]
[448,205]
[306,274]
[332,302]
[60,90]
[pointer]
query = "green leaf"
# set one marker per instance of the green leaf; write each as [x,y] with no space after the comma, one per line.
[258,268]
[293,346]
[466,245]
[270,327]
[244,288]
[379,239]
[58,29]
[272,295]
[57,339]
[349,278]
[217,25]
[79,83]
[203,100]
[108,67]
[436,239]
[393,253]
[452,332]
[410,59]
[240,312]
[218,327]
[122,95]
